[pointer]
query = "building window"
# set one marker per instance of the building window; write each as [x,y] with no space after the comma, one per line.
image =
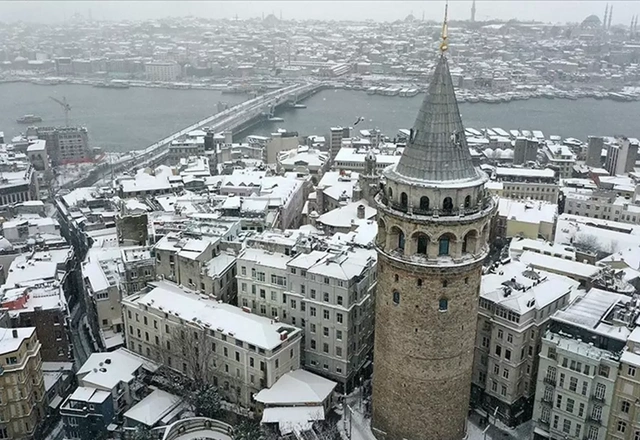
[443,247]
[396,297]
[631,371]
[443,305]
[566,426]
[625,406]
[423,241]
[401,241]
[404,200]
[600,391]
[447,205]
[424,203]
[622,426]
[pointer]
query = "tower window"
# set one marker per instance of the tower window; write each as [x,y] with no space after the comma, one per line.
[445,283]
[396,278]
[443,305]
[467,201]
[443,248]
[424,203]
[401,241]
[396,297]
[404,200]
[447,204]
[423,241]
[419,282]
[390,192]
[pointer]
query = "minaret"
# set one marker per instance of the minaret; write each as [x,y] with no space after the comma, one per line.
[434,216]
[473,11]
[606,16]
[610,16]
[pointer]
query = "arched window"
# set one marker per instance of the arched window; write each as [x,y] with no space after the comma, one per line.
[396,297]
[404,200]
[447,204]
[401,241]
[419,282]
[423,241]
[445,283]
[396,278]
[467,201]
[443,304]
[390,192]
[382,233]
[469,242]
[443,246]
[424,203]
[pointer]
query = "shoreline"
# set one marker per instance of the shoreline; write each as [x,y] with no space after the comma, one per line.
[478,97]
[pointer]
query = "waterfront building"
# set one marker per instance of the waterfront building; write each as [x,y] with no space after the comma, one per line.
[354,159]
[162,71]
[434,217]
[64,144]
[23,401]
[232,348]
[516,303]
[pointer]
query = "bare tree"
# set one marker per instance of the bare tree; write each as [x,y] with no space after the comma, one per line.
[587,242]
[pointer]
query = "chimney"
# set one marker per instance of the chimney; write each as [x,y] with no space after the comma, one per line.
[14,332]
[360,211]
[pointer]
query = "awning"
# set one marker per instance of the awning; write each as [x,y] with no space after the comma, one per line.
[541,432]
[55,402]
[291,418]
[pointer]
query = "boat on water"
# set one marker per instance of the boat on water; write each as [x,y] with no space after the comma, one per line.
[111,85]
[296,105]
[275,119]
[28,119]
[372,90]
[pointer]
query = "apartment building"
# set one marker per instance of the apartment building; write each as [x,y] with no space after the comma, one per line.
[624,421]
[603,204]
[162,71]
[108,384]
[579,367]
[516,303]
[232,348]
[560,158]
[329,294]
[64,144]
[525,218]
[180,258]
[525,183]
[22,407]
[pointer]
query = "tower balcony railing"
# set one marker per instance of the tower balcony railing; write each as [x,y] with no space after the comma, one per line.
[484,204]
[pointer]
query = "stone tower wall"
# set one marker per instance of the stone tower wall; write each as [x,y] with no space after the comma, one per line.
[423,356]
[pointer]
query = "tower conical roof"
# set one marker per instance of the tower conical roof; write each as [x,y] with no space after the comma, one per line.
[437,150]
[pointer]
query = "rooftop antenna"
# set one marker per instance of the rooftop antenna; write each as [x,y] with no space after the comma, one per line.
[65,106]
[444,45]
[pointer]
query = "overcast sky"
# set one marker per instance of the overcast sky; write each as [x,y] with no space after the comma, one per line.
[541,10]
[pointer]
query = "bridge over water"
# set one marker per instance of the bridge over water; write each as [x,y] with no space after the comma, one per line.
[233,118]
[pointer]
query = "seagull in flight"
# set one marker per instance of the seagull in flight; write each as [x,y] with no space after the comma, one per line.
[360,119]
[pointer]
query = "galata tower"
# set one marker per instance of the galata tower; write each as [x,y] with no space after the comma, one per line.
[434,216]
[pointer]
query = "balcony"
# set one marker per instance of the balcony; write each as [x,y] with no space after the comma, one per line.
[594,420]
[543,422]
[550,381]
[597,398]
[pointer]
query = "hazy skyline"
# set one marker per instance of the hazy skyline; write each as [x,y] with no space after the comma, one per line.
[547,11]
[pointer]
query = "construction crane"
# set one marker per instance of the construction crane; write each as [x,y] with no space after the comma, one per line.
[65,106]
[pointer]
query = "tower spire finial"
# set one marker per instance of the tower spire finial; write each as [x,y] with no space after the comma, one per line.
[444,45]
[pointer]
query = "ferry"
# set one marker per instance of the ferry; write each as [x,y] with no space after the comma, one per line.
[111,85]
[275,119]
[28,119]
[372,90]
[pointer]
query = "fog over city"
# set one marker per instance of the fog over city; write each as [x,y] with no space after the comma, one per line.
[544,10]
[319,220]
